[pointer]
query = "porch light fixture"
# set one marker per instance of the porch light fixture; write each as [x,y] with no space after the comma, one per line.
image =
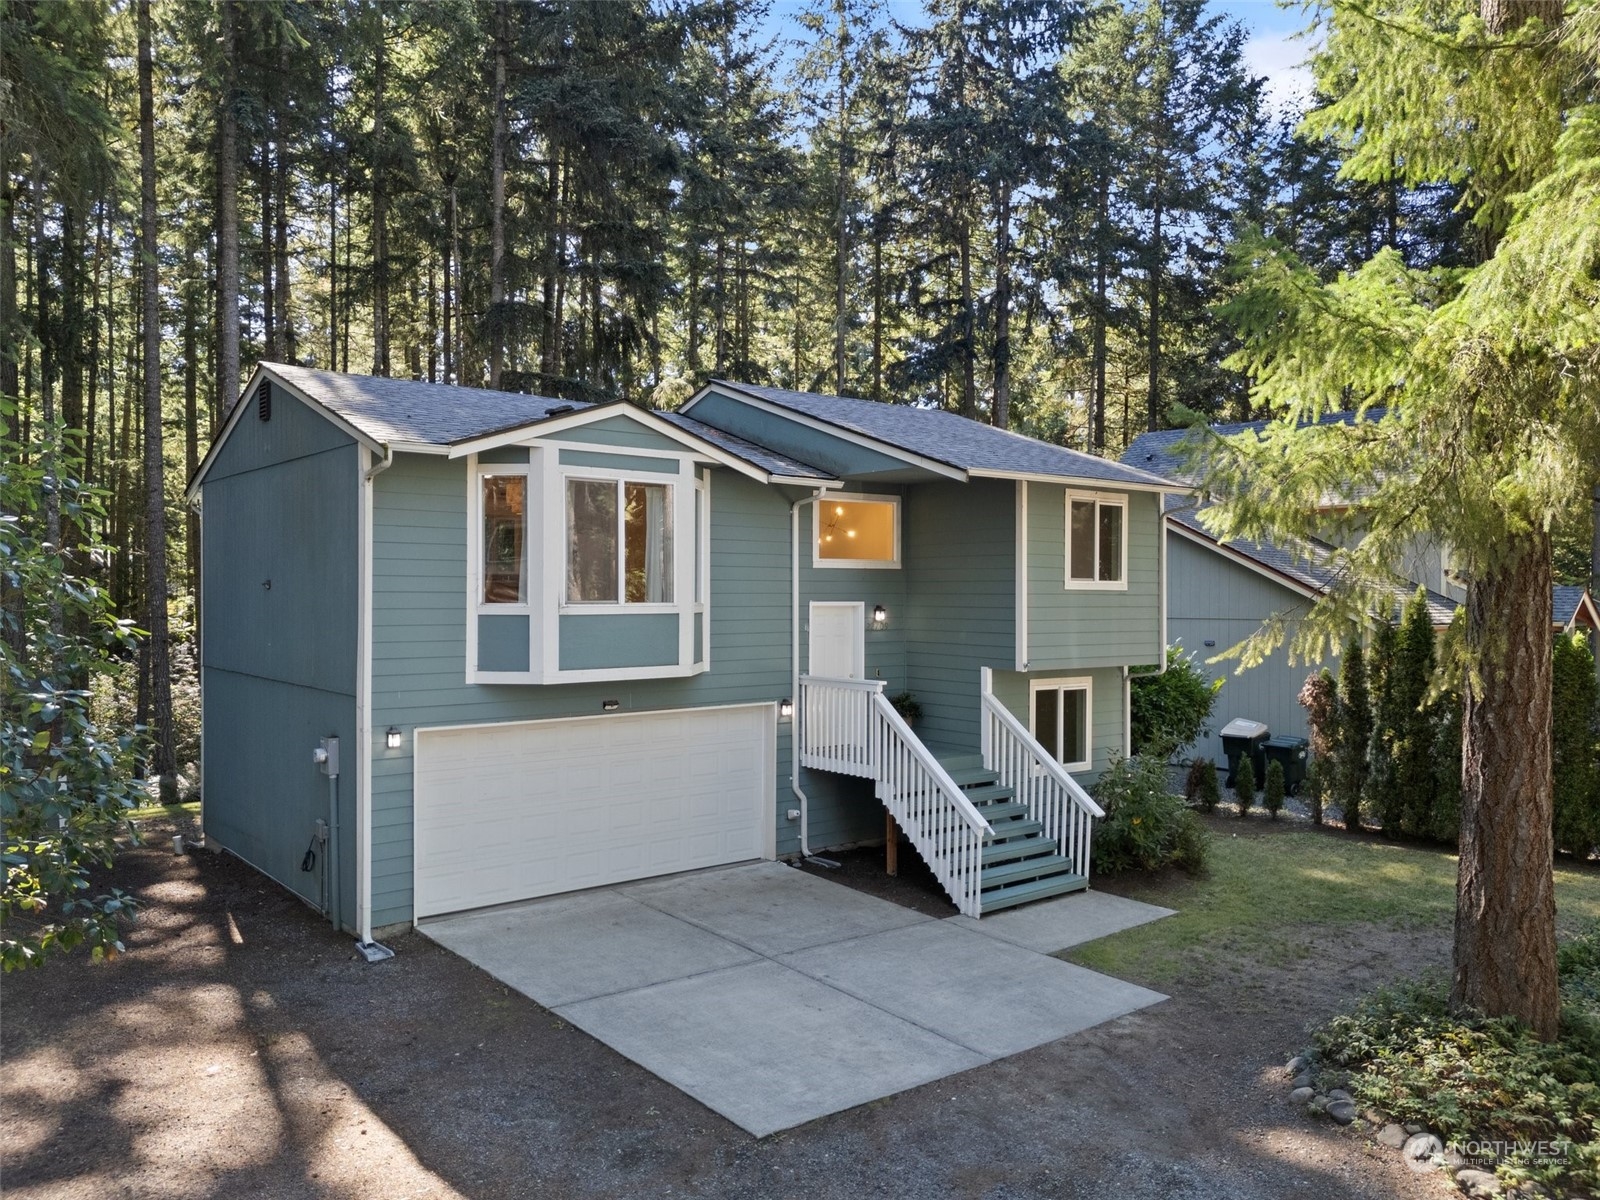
[391,737]
[880,616]
[610,705]
[786,707]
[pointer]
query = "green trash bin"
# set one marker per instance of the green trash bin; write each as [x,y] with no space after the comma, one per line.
[1293,753]
[1242,736]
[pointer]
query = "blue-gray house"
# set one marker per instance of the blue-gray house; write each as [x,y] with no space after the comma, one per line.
[564,645]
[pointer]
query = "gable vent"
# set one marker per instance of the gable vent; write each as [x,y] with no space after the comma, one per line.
[264,402]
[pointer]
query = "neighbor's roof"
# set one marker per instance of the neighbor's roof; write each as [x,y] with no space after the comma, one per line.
[1161,452]
[947,437]
[1566,600]
[1311,568]
[404,411]
[769,461]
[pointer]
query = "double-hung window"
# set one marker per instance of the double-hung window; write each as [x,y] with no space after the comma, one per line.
[1097,550]
[619,542]
[1061,720]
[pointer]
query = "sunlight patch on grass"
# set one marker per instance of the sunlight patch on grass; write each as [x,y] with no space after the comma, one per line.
[1262,892]
[173,812]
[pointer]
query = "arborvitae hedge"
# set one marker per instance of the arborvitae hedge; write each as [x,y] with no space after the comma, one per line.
[1354,736]
[1575,729]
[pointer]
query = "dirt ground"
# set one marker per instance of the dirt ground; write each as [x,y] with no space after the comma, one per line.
[241,1049]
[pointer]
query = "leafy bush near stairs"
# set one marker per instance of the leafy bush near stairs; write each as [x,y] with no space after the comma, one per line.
[1145,825]
[1488,1087]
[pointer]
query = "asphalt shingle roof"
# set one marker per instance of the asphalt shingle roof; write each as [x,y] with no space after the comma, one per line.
[1161,452]
[1564,601]
[759,456]
[1312,565]
[949,438]
[429,414]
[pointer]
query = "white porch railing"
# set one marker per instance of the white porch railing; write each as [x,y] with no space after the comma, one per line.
[1053,797]
[846,725]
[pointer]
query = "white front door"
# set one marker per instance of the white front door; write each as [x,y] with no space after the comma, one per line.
[838,641]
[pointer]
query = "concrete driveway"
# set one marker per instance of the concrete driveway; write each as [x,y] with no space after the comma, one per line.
[774,997]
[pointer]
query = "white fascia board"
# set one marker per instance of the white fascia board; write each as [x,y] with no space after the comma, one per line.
[701,449]
[1244,560]
[243,403]
[847,435]
[1585,602]
[1164,489]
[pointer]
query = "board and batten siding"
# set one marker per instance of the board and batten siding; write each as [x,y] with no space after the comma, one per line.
[1213,598]
[419,643]
[279,586]
[1092,627]
[961,614]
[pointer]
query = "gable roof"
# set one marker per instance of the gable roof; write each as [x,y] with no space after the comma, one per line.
[942,437]
[1161,452]
[438,418]
[1567,602]
[1310,570]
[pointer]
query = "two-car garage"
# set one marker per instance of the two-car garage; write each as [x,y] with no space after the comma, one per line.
[511,811]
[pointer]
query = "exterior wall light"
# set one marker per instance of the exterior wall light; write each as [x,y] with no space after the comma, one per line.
[786,707]
[610,705]
[880,616]
[391,737]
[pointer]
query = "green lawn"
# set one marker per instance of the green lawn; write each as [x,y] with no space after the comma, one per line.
[173,812]
[1268,894]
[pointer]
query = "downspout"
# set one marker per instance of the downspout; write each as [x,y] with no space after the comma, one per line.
[794,673]
[370,950]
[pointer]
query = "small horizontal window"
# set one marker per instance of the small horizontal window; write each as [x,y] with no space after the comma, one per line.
[858,532]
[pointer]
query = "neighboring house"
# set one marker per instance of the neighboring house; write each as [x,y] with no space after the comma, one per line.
[566,645]
[1222,592]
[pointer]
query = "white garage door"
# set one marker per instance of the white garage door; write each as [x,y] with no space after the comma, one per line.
[507,812]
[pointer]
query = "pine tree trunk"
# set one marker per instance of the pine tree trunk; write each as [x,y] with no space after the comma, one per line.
[497,202]
[552,268]
[9,328]
[1153,394]
[191,433]
[380,208]
[1001,412]
[1097,399]
[877,317]
[841,216]
[287,347]
[449,280]
[269,307]
[227,371]
[969,327]
[160,682]
[1505,945]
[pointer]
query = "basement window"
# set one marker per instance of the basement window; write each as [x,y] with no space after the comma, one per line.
[1060,720]
[857,532]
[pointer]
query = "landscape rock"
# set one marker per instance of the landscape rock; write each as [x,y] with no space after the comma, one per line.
[1342,1111]
[1413,1127]
[1421,1147]
[1340,1094]
[1301,1080]
[1319,1102]
[1392,1136]
[1297,1065]
[1478,1184]
[1301,1095]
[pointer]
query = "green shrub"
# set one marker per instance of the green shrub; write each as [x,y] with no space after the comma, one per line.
[1353,737]
[1166,712]
[1272,797]
[1415,788]
[1444,825]
[1575,771]
[1244,784]
[1145,825]
[1385,689]
[1201,789]
[1479,1079]
[1315,789]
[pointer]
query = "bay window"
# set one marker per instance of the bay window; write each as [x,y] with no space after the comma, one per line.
[505,556]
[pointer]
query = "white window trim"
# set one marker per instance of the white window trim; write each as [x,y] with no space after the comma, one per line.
[477,603]
[1100,499]
[1069,683]
[855,564]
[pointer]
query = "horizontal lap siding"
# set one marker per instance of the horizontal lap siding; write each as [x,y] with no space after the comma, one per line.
[961,547]
[1216,599]
[1107,720]
[1091,627]
[419,641]
[278,662]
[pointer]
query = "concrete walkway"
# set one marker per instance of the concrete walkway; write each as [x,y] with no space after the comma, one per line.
[774,997]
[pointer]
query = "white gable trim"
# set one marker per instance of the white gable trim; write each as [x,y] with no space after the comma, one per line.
[698,448]
[1585,601]
[243,404]
[733,392]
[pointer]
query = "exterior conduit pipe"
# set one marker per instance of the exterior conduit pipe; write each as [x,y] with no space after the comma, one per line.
[794,671]
[370,950]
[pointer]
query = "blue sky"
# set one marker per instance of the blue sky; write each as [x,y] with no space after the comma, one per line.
[1272,51]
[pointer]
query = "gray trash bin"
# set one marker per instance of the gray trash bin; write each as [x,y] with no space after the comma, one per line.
[1244,736]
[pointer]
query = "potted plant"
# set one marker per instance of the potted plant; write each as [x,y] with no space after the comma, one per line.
[906,705]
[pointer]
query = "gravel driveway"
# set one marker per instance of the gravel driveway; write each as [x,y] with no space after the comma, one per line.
[241,1049]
